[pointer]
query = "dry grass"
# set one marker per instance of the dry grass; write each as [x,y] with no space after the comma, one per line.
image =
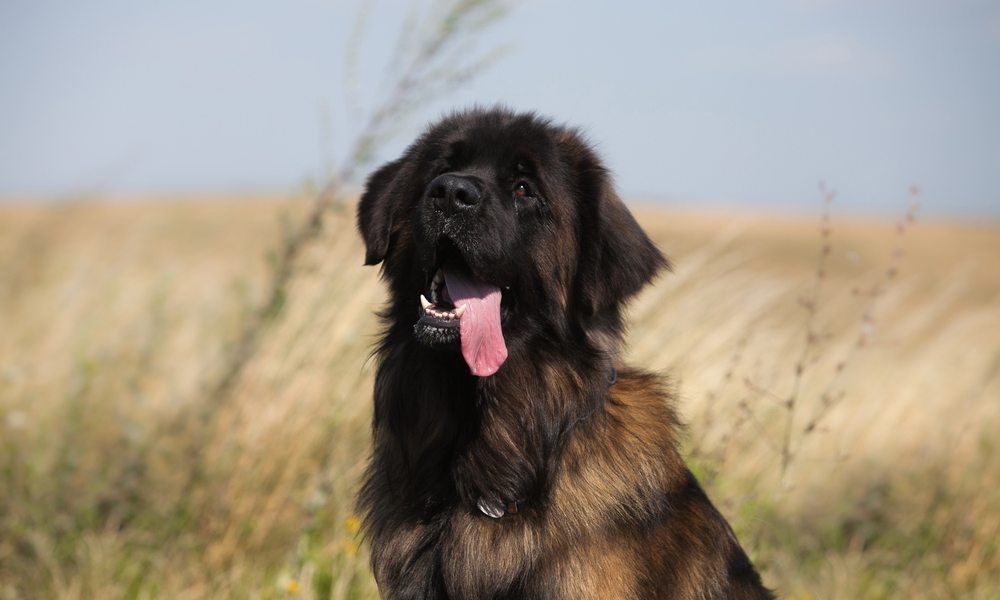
[122,476]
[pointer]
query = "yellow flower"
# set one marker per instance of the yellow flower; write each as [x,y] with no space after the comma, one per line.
[292,587]
[352,524]
[350,548]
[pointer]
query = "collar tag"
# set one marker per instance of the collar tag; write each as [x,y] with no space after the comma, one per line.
[488,510]
[495,513]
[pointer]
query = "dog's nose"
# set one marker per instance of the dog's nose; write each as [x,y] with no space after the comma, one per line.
[453,192]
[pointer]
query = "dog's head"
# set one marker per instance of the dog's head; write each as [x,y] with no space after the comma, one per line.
[497,228]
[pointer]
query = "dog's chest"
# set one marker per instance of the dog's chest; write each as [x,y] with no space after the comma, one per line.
[518,555]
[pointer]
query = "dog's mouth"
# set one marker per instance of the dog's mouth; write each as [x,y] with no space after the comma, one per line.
[461,310]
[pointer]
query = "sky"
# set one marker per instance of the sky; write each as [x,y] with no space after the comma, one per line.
[746,105]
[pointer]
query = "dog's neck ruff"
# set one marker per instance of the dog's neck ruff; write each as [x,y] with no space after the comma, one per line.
[511,506]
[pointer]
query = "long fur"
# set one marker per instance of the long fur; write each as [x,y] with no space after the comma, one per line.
[580,450]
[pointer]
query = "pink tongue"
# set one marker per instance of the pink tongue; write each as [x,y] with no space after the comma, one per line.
[482,339]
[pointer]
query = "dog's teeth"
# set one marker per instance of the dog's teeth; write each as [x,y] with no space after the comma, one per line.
[460,310]
[424,302]
[439,277]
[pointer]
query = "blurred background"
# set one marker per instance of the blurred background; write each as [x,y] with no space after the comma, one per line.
[184,375]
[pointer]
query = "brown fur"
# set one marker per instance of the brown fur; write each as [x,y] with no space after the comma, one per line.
[583,448]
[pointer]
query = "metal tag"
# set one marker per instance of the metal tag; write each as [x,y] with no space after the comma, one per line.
[490,511]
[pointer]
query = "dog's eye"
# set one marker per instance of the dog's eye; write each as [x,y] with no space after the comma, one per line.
[523,190]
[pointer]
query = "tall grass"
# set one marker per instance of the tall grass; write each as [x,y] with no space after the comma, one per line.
[116,482]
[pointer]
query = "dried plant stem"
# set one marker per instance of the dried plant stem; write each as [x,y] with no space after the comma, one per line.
[811,304]
[458,20]
[830,396]
[713,395]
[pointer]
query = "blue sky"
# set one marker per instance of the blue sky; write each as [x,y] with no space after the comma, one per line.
[746,104]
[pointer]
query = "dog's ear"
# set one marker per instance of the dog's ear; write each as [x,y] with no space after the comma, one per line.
[375,211]
[617,257]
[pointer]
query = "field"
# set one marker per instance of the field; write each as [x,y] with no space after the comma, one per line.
[843,407]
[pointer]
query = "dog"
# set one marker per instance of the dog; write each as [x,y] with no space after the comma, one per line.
[514,455]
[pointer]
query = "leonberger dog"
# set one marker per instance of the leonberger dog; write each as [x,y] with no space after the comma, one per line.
[514,455]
